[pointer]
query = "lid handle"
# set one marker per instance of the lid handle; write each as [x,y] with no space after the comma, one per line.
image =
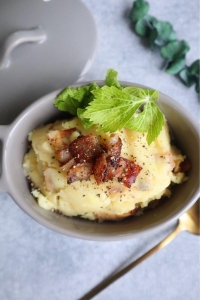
[15,39]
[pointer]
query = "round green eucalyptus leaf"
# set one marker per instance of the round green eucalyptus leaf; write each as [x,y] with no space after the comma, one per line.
[139,10]
[176,65]
[150,20]
[197,86]
[165,30]
[141,28]
[152,37]
[186,78]
[174,49]
[195,67]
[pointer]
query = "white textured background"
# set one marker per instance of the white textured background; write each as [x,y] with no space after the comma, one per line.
[38,264]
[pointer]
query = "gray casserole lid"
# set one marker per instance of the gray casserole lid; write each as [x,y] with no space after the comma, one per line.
[44,46]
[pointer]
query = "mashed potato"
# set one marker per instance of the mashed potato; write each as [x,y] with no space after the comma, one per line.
[89,198]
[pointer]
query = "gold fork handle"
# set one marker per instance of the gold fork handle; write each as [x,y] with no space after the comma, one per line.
[105,283]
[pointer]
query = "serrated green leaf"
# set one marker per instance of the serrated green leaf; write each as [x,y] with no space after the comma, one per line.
[139,10]
[145,95]
[111,108]
[186,78]
[138,123]
[141,28]
[66,102]
[86,122]
[156,122]
[174,49]
[176,65]
[70,99]
[112,78]
[150,120]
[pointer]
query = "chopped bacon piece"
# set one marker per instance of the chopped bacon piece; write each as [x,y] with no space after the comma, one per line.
[85,148]
[68,165]
[107,168]
[114,145]
[129,171]
[59,139]
[84,156]
[79,172]
[185,165]
[63,155]
[100,167]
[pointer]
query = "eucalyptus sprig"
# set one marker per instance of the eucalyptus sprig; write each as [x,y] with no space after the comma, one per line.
[162,34]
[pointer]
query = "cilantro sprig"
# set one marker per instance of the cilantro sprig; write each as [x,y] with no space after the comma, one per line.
[112,107]
[161,34]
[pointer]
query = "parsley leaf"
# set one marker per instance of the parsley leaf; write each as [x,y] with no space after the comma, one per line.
[144,94]
[70,99]
[150,120]
[112,107]
[112,78]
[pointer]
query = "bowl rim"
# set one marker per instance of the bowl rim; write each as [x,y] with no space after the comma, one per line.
[22,204]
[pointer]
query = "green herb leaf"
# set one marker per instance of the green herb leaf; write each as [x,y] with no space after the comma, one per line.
[194,69]
[70,99]
[185,76]
[86,122]
[165,31]
[162,34]
[176,65]
[141,28]
[174,49]
[139,10]
[111,108]
[190,75]
[197,86]
[150,120]
[112,78]
[153,36]
[145,95]
[150,20]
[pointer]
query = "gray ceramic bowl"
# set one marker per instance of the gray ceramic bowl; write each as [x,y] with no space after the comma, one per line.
[12,180]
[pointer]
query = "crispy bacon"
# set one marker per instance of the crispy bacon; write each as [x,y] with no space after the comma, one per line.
[79,172]
[59,139]
[108,167]
[68,165]
[84,156]
[114,145]
[129,171]
[185,166]
[100,167]
[85,148]
[63,155]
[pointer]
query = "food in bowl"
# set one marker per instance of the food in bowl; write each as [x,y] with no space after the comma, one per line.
[96,170]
